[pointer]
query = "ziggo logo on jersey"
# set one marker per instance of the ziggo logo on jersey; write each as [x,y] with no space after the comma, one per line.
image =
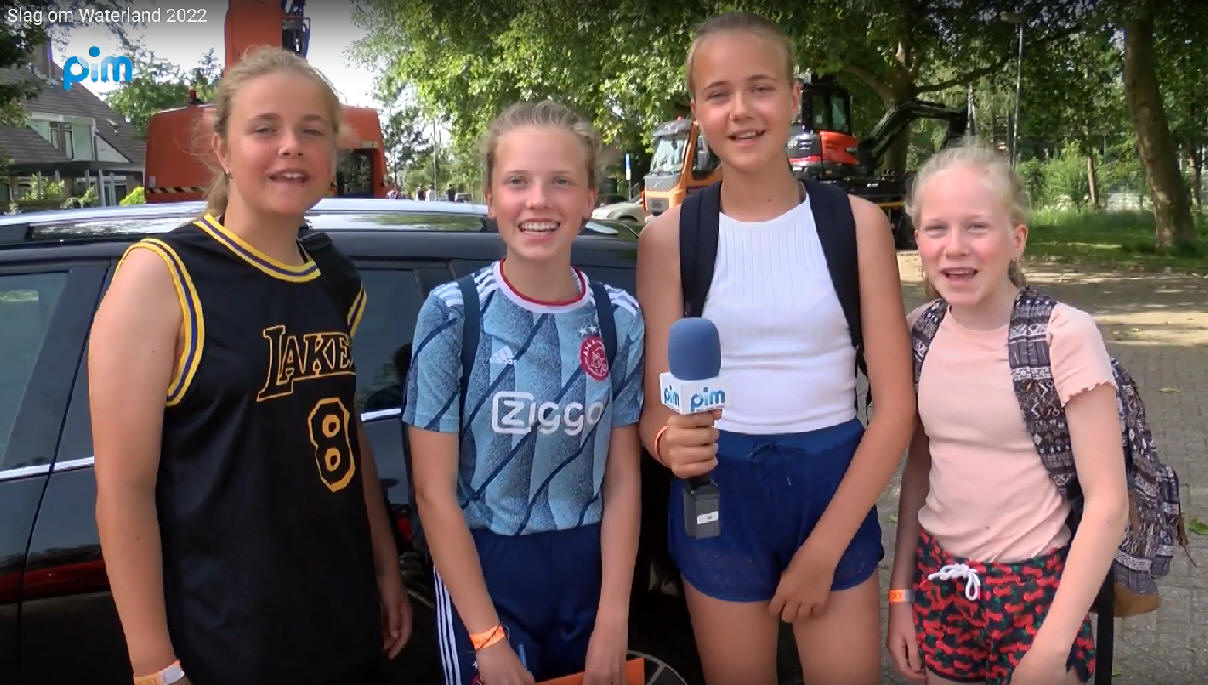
[519,412]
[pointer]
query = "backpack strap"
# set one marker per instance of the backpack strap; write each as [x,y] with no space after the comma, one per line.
[338,273]
[923,332]
[1036,391]
[836,226]
[470,329]
[608,324]
[698,228]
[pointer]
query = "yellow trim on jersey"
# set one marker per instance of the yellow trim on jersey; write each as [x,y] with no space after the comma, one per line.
[355,312]
[245,251]
[192,320]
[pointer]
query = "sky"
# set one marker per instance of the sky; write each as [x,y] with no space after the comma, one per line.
[331,34]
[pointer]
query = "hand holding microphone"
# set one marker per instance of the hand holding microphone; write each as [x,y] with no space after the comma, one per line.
[693,390]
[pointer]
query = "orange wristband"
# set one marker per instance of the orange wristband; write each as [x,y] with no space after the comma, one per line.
[487,638]
[901,596]
[658,437]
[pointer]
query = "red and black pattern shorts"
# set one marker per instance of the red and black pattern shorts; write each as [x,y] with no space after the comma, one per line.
[976,620]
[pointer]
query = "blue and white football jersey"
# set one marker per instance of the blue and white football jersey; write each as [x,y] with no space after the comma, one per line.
[540,405]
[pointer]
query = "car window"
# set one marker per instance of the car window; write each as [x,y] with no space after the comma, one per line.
[27,302]
[382,346]
[76,440]
[617,277]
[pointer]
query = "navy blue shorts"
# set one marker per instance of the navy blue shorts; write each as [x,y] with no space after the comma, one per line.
[774,489]
[545,588]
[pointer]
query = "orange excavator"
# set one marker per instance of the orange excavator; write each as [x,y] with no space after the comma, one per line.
[179,163]
[821,146]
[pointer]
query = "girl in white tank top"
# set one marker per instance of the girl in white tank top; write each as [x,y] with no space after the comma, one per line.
[797,473]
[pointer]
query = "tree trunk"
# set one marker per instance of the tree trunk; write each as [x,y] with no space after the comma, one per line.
[1172,215]
[902,89]
[1092,187]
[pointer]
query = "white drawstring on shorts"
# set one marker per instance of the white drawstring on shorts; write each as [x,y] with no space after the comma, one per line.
[956,571]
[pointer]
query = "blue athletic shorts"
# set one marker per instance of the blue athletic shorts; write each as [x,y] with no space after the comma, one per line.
[774,489]
[545,588]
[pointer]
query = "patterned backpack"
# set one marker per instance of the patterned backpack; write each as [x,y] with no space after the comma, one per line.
[1155,515]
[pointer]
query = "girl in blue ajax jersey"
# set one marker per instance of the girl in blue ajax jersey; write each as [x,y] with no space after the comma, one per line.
[527,486]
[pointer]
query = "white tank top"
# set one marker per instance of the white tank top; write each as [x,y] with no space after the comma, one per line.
[786,352]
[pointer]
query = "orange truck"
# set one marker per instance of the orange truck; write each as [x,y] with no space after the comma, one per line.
[179,162]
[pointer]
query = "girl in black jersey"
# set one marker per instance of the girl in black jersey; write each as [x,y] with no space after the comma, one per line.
[240,517]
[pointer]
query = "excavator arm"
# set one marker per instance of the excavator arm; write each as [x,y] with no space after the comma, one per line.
[872,149]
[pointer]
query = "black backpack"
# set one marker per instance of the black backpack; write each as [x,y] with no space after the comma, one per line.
[698,229]
[472,328]
[1155,514]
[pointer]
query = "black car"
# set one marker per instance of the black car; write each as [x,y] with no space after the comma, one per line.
[58,623]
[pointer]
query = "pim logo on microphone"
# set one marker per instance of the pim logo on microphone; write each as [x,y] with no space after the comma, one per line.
[518,413]
[670,396]
[116,69]
[705,399]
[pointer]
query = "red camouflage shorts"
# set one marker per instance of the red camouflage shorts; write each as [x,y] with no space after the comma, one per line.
[976,620]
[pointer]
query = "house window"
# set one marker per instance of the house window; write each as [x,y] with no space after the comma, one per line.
[43,129]
[68,146]
[59,134]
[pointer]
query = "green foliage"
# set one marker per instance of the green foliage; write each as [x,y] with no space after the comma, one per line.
[159,84]
[1197,526]
[622,63]
[18,39]
[88,199]
[1122,239]
[1032,173]
[1066,178]
[45,188]
[134,197]
[44,193]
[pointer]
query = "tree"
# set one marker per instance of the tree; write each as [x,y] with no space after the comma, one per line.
[1073,103]
[20,38]
[17,42]
[404,126]
[1179,39]
[158,84]
[622,63]
[924,49]
[1172,213]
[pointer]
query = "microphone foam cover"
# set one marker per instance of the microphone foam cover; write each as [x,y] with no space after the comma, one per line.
[693,349]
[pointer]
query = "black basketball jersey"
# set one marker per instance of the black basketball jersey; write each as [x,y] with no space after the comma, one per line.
[268,565]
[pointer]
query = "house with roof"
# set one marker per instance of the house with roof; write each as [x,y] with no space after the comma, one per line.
[69,135]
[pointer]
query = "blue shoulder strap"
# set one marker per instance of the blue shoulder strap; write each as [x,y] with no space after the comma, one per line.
[472,327]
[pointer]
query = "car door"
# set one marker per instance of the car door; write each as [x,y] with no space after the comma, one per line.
[45,309]
[71,604]
[394,292]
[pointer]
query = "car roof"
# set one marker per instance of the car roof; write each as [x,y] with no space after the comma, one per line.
[330,214]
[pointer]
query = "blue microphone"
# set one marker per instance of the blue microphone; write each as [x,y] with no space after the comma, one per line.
[693,385]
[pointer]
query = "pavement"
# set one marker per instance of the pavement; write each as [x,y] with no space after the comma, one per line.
[1156,324]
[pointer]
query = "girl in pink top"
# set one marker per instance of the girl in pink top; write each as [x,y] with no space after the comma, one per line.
[987,584]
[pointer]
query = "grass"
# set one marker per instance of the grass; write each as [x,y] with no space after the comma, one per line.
[1117,239]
